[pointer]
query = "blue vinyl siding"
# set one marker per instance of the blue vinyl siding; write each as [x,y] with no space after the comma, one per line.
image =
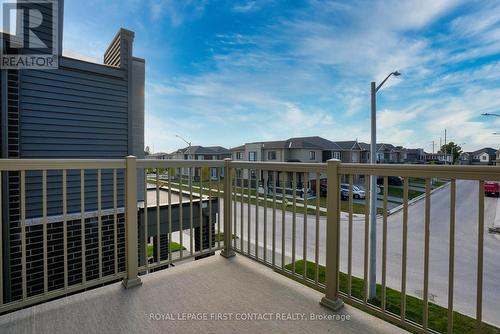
[73,114]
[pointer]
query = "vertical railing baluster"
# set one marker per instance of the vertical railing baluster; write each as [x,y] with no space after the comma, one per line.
[146,238]
[339,204]
[181,212]
[257,180]
[169,241]
[316,241]
[1,239]
[218,206]
[266,189]
[23,234]
[82,226]
[44,232]
[200,184]
[425,307]
[349,238]
[480,250]
[99,220]
[65,226]
[235,198]
[294,218]
[304,240]
[115,219]
[283,227]
[366,241]
[451,259]
[249,213]
[242,204]
[158,230]
[405,247]
[274,219]
[191,247]
[384,245]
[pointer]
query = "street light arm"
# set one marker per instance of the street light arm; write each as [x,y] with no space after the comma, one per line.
[395,73]
[184,140]
[490,114]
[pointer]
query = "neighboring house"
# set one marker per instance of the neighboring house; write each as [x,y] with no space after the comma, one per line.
[414,156]
[386,153]
[348,151]
[80,110]
[484,156]
[159,156]
[200,153]
[300,149]
[439,158]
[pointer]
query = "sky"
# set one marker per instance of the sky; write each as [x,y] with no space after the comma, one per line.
[229,72]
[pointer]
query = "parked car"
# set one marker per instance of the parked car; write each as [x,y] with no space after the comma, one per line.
[491,188]
[391,180]
[357,192]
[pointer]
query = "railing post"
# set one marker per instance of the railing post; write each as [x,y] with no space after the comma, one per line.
[131,244]
[331,298]
[227,252]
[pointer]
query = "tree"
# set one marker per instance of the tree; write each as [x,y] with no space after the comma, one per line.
[452,148]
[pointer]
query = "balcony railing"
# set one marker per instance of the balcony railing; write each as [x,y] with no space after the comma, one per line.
[97,219]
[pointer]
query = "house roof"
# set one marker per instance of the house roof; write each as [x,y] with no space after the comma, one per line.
[157,154]
[488,150]
[238,148]
[197,149]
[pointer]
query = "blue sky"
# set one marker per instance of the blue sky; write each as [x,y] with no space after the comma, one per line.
[228,72]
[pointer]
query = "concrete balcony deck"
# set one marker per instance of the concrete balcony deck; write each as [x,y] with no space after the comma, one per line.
[237,286]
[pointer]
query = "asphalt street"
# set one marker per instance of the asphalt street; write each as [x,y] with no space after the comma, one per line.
[465,242]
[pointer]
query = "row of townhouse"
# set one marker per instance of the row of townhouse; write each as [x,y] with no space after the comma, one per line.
[315,150]
[195,153]
[318,149]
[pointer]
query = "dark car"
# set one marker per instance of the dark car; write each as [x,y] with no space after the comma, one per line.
[391,180]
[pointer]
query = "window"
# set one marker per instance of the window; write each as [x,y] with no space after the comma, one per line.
[336,155]
[252,156]
[271,155]
[239,155]
[200,157]
[312,155]
[252,174]
[354,156]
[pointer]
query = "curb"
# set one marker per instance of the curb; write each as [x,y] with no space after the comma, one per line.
[416,199]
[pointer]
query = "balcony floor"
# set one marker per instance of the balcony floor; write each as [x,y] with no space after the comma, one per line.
[212,285]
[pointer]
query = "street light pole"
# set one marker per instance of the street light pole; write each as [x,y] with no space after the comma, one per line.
[372,279]
[189,152]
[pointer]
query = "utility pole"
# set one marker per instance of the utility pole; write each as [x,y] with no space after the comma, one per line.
[445,148]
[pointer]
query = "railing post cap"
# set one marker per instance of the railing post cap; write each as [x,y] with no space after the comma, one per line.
[131,157]
[333,161]
[228,159]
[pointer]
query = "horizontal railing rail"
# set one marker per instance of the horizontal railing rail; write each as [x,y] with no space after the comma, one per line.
[424,171]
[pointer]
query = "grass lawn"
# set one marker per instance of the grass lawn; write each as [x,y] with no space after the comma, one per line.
[174,247]
[220,237]
[358,208]
[421,182]
[438,316]
[398,192]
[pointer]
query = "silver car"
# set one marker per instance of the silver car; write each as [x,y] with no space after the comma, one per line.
[357,192]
